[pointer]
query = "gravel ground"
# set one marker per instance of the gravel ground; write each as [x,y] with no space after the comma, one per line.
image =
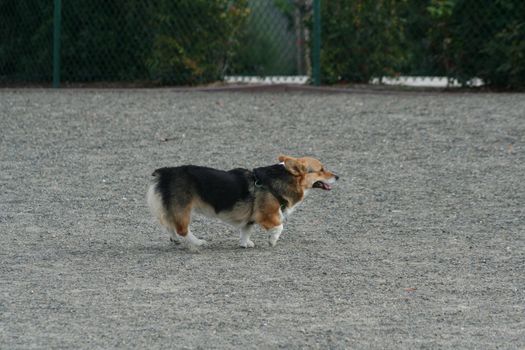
[420,245]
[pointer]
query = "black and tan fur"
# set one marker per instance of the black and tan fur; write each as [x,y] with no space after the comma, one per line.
[240,197]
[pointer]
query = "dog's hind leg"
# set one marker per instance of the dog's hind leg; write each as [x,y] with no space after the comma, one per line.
[245,241]
[182,218]
[174,237]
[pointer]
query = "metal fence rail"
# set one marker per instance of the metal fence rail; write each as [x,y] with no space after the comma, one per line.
[187,42]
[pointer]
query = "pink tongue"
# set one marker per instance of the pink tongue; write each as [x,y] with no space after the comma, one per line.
[326,186]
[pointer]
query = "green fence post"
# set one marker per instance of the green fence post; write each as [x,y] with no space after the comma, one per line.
[316,59]
[56,43]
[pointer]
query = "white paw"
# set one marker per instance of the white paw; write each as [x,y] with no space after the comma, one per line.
[247,244]
[199,242]
[274,234]
[194,241]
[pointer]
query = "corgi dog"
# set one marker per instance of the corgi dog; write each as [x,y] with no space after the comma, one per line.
[240,197]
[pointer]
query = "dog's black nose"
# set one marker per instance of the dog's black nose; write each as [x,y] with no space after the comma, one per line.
[336,177]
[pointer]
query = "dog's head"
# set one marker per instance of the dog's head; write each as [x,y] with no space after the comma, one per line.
[310,172]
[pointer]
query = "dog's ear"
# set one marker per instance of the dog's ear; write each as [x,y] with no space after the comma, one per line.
[282,158]
[294,166]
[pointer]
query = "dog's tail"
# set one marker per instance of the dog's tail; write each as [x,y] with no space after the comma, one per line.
[156,175]
[156,202]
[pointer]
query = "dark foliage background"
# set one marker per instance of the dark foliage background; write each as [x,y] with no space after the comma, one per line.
[455,38]
[199,41]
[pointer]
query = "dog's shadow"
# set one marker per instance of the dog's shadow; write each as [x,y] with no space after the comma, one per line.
[214,246]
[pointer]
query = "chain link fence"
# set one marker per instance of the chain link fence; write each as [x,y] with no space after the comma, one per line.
[460,39]
[161,41]
[189,42]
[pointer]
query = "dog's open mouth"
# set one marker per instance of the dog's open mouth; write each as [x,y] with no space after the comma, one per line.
[322,185]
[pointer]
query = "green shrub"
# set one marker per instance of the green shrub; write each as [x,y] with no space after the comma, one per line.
[505,63]
[362,39]
[464,39]
[177,42]
[25,40]
[195,40]
[487,41]
[104,42]
[459,39]
[263,52]
[198,41]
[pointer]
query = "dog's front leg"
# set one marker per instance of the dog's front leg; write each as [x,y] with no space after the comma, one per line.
[271,221]
[245,241]
[274,233]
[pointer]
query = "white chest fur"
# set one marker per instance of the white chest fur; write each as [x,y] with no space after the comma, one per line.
[288,211]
